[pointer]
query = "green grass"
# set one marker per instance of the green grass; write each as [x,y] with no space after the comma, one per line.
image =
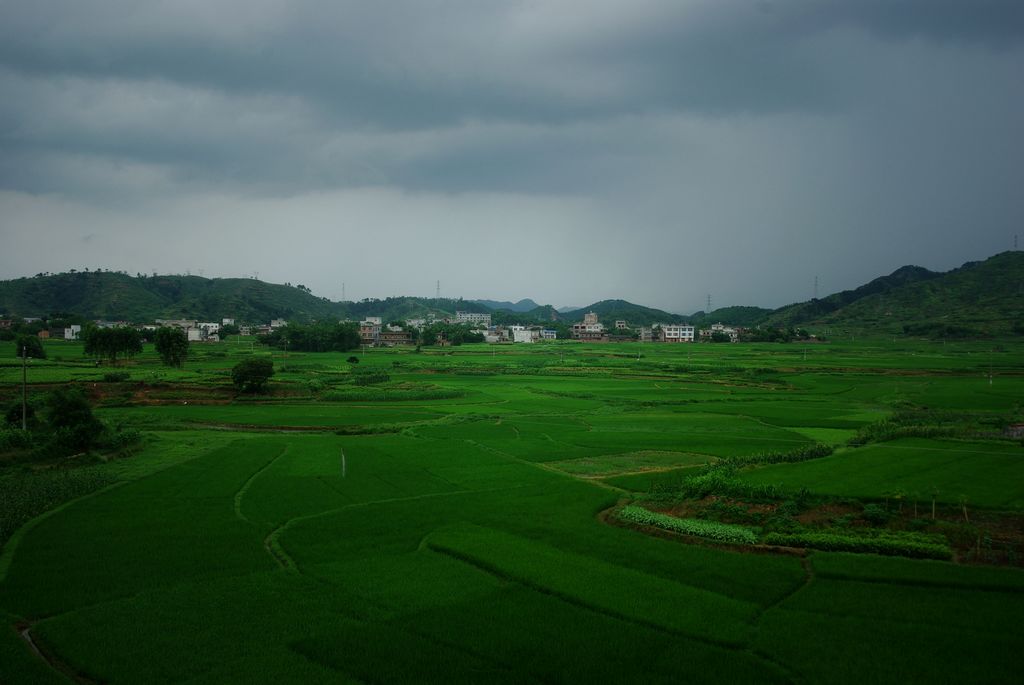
[988,474]
[464,541]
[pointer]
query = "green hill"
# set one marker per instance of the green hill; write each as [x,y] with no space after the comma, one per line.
[817,309]
[979,297]
[610,311]
[141,298]
[118,296]
[736,316]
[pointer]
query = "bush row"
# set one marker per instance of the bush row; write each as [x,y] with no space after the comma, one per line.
[891,545]
[391,395]
[712,530]
[804,453]
[716,481]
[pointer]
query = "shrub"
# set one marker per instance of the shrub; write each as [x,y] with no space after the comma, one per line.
[712,530]
[716,481]
[12,417]
[875,515]
[116,377]
[373,378]
[70,416]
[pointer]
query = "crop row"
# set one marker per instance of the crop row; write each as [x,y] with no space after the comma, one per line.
[804,453]
[891,545]
[712,530]
[23,497]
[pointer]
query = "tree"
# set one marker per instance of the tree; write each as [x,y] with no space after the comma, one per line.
[108,343]
[251,375]
[229,329]
[172,346]
[68,412]
[30,346]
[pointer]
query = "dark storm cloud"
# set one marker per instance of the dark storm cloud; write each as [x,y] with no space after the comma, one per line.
[844,136]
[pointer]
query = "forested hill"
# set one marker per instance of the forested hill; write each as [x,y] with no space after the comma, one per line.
[815,309]
[141,298]
[984,297]
[978,297]
[118,296]
[611,310]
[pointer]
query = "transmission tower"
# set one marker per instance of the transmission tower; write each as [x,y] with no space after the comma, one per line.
[709,303]
[815,287]
[437,293]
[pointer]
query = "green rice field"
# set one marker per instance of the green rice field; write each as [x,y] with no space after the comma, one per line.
[456,524]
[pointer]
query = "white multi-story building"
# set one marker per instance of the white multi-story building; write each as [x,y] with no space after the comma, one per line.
[373,320]
[473,318]
[676,332]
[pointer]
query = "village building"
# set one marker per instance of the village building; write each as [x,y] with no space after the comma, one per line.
[733,332]
[394,335]
[591,329]
[369,331]
[676,333]
[473,318]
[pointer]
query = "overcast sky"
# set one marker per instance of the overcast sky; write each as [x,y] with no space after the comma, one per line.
[567,151]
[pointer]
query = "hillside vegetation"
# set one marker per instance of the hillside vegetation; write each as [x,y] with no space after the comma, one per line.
[979,298]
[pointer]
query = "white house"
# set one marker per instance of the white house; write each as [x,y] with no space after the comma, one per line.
[72,332]
[676,332]
[523,336]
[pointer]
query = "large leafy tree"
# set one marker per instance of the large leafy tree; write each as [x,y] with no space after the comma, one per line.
[172,345]
[69,414]
[30,346]
[251,375]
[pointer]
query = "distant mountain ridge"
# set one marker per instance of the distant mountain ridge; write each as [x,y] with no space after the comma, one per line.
[521,306]
[985,297]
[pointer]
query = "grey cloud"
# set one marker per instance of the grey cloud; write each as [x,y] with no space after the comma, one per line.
[739,146]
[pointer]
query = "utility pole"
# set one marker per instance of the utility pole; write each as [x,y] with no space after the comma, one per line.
[24,385]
